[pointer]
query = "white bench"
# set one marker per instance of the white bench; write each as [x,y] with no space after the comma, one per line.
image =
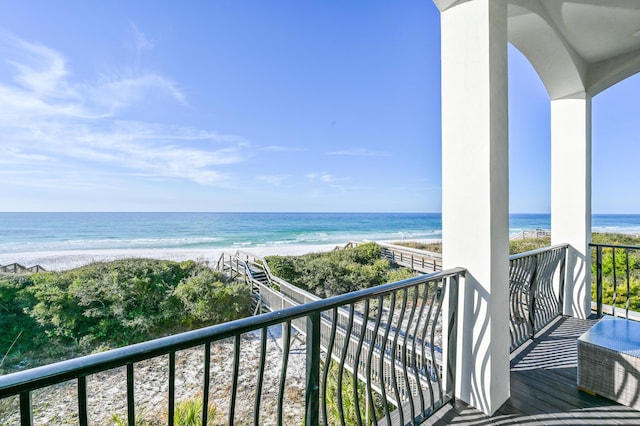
[609,361]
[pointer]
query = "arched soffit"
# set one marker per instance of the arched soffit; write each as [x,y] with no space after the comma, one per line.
[574,45]
[607,73]
[443,5]
[533,33]
[605,35]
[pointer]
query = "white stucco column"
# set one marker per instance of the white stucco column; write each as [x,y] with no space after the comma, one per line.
[571,196]
[475,202]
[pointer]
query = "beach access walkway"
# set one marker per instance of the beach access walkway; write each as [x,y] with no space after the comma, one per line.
[16,268]
[272,294]
[422,261]
[543,385]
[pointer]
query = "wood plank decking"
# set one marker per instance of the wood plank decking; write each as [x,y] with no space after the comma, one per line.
[543,388]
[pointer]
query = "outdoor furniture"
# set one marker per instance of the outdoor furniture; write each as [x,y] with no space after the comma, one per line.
[609,361]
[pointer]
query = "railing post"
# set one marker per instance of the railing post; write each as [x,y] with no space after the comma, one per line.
[26,412]
[453,284]
[131,406]
[172,387]
[532,296]
[312,394]
[563,263]
[82,401]
[599,281]
[614,300]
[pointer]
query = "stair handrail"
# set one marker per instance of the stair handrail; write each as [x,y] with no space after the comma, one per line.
[391,353]
[251,258]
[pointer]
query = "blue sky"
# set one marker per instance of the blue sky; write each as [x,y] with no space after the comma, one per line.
[258,106]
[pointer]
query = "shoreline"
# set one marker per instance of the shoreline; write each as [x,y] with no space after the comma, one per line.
[70,259]
[62,260]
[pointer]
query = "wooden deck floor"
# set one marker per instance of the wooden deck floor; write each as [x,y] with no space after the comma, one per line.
[543,388]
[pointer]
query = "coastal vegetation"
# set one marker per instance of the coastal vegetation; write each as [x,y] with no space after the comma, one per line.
[48,316]
[337,272]
[435,246]
[340,393]
[632,294]
[528,244]
[187,412]
[515,246]
[618,261]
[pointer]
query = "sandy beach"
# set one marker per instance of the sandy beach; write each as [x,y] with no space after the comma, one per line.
[63,260]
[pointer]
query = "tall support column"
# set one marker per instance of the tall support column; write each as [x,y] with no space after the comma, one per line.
[475,202]
[571,196]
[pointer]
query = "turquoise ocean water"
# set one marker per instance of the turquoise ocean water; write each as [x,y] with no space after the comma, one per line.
[24,232]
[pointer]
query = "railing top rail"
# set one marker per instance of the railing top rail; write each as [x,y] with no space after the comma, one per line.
[249,258]
[296,289]
[247,254]
[409,249]
[252,258]
[47,375]
[614,246]
[537,251]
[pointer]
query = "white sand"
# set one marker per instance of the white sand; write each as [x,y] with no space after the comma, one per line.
[63,260]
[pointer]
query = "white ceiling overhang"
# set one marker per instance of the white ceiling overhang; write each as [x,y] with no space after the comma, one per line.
[575,45]
[596,37]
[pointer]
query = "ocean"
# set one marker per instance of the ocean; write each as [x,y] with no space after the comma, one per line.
[29,232]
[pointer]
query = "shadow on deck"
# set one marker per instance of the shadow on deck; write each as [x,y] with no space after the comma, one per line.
[543,387]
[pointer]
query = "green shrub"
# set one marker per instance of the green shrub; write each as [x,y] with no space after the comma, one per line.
[621,294]
[399,274]
[621,261]
[57,315]
[620,269]
[283,267]
[189,413]
[123,301]
[20,332]
[351,406]
[435,247]
[209,296]
[367,253]
[528,244]
[515,246]
[337,272]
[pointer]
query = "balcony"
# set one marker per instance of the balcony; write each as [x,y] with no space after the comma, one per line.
[543,387]
[543,371]
[399,340]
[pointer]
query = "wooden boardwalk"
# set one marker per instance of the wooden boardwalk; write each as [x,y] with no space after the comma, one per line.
[543,388]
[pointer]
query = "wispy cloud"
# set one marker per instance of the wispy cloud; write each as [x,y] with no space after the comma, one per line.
[324,178]
[141,40]
[47,117]
[45,75]
[116,92]
[279,148]
[273,180]
[360,152]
